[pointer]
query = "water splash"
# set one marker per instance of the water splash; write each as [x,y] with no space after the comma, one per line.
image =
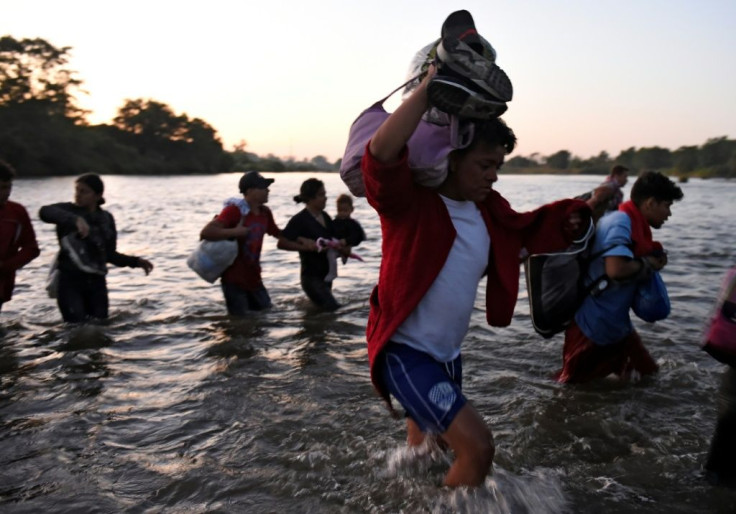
[538,491]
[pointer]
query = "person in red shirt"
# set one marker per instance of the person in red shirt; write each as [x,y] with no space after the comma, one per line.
[437,245]
[247,219]
[18,244]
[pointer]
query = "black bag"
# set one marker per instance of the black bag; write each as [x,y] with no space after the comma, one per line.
[556,284]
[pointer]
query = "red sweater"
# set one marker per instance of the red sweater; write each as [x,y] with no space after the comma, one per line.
[641,233]
[417,235]
[18,245]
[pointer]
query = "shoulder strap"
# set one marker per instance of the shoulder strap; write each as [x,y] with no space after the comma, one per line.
[382,100]
[600,283]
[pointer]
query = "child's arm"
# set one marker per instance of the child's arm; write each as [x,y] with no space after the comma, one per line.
[394,133]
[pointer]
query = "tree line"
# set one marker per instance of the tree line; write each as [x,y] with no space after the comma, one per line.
[43,132]
[715,158]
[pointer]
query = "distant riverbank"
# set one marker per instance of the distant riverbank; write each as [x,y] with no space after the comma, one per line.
[681,176]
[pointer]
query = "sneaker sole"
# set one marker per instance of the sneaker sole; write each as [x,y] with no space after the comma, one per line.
[483,72]
[454,98]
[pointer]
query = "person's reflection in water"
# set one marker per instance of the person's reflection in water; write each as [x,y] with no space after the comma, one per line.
[235,337]
[8,359]
[83,364]
[311,340]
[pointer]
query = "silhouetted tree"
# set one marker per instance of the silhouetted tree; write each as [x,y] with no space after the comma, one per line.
[596,165]
[152,122]
[321,163]
[717,150]
[156,130]
[559,160]
[34,78]
[626,158]
[685,159]
[243,160]
[521,162]
[271,163]
[653,158]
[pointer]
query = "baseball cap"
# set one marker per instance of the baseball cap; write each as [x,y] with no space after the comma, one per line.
[253,179]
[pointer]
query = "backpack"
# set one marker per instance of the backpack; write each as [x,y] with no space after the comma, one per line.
[429,145]
[556,284]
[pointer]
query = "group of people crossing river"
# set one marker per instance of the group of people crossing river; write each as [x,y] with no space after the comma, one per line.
[438,243]
[87,237]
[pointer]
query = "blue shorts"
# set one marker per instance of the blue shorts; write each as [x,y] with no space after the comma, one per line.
[430,391]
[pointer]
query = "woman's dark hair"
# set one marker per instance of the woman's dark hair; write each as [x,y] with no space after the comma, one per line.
[309,190]
[94,182]
[7,173]
[652,184]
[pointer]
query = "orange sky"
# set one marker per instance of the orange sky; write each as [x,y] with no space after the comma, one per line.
[289,77]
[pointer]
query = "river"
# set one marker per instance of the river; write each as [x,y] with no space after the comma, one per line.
[174,407]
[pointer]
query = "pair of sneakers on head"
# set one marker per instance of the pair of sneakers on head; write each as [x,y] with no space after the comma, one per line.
[468,83]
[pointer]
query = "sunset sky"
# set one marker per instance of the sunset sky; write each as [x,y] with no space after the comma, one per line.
[289,77]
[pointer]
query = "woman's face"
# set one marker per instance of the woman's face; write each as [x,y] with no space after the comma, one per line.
[319,201]
[85,197]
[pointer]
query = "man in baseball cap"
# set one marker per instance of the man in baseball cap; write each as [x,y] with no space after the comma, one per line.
[246,219]
[254,180]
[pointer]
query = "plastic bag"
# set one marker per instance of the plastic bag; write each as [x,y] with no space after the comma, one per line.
[211,258]
[651,301]
[86,253]
[52,280]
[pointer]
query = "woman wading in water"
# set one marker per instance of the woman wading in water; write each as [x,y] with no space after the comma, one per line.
[88,240]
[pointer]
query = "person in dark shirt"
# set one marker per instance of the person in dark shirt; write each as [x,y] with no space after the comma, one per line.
[307,227]
[88,240]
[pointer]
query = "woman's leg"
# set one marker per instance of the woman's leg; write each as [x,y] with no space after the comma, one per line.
[320,292]
[96,298]
[70,298]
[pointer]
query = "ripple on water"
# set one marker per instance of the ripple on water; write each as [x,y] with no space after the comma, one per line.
[172,405]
